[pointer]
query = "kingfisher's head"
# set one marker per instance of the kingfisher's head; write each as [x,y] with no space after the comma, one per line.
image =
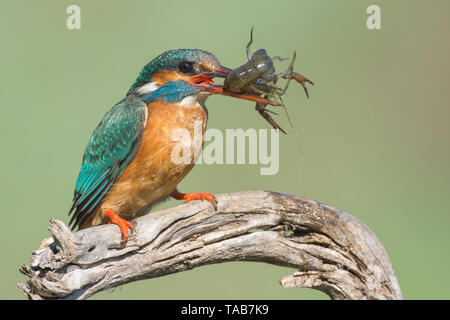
[178,74]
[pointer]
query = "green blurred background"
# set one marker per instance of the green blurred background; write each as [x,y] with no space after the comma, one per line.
[375,134]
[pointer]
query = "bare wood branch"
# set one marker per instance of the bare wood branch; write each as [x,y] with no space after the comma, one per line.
[331,250]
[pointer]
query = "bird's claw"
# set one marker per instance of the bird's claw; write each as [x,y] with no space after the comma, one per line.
[201,196]
[123,224]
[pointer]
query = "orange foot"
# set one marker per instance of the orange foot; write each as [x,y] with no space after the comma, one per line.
[123,224]
[195,196]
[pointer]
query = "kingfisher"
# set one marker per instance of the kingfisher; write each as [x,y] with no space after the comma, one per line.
[127,166]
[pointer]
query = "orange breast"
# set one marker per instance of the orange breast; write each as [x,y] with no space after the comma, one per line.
[153,173]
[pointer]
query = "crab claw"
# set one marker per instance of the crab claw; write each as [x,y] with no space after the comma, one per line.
[264,113]
[302,80]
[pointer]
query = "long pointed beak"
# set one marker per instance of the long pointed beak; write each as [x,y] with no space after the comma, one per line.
[205,81]
[218,89]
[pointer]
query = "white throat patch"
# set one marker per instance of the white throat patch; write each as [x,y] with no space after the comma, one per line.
[195,100]
[189,101]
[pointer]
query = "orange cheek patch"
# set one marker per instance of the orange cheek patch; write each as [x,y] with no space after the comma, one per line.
[164,76]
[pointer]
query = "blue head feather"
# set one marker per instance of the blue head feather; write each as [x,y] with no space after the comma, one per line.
[169,60]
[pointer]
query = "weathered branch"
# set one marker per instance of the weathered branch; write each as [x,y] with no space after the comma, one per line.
[332,251]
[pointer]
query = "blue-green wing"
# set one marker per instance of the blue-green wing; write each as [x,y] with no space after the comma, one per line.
[110,149]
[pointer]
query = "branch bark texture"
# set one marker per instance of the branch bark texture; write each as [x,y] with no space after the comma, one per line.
[331,250]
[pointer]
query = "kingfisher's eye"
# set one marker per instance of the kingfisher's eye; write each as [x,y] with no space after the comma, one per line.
[185,66]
